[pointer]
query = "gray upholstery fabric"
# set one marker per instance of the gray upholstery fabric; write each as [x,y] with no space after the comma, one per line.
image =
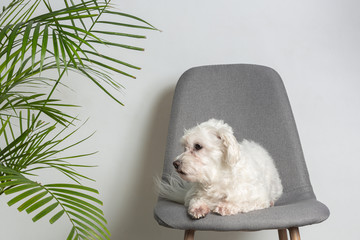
[310,211]
[252,99]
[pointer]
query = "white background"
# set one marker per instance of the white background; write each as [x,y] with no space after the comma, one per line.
[315,47]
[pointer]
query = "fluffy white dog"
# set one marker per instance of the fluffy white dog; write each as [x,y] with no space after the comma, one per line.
[225,177]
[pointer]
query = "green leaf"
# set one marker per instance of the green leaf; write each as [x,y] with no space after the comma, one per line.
[77,29]
[118,45]
[85,229]
[113,59]
[35,42]
[26,39]
[109,67]
[99,85]
[56,51]
[14,143]
[9,171]
[4,124]
[119,34]
[39,204]
[3,31]
[13,183]
[57,216]
[44,212]
[71,234]
[54,15]
[131,16]
[31,10]
[72,17]
[10,177]
[19,188]
[89,223]
[63,185]
[68,51]
[88,215]
[62,50]
[68,35]
[11,69]
[24,195]
[73,50]
[67,198]
[126,25]
[44,45]
[72,205]
[31,201]
[78,194]
[12,37]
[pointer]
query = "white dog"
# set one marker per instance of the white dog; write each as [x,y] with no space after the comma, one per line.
[225,177]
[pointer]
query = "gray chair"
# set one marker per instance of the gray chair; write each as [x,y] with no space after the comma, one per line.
[252,99]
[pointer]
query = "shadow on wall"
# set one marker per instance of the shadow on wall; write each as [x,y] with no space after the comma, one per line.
[136,219]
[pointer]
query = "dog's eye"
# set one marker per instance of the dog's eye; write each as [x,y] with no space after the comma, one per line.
[197,147]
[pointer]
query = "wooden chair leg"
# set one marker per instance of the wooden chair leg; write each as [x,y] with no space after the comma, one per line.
[282,234]
[189,235]
[294,233]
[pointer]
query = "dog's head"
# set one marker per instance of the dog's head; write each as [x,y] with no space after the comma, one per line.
[208,148]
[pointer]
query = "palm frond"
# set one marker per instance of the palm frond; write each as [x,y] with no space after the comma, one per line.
[76,202]
[37,146]
[52,34]
[12,101]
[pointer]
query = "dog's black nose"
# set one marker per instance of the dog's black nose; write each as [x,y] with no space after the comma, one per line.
[176,164]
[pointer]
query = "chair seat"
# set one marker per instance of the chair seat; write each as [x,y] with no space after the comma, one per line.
[301,213]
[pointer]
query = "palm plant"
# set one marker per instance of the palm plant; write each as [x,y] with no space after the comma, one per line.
[35,126]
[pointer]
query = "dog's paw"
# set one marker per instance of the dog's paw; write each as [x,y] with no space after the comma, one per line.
[226,209]
[199,211]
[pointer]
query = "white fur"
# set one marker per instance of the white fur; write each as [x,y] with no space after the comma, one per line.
[227,177]
[173,189]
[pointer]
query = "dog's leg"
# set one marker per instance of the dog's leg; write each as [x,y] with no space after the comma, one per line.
[198,208]
[225,208]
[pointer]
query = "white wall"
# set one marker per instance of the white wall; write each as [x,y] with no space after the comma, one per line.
[314,45]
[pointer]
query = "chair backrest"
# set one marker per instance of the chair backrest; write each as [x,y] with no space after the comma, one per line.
[252,99]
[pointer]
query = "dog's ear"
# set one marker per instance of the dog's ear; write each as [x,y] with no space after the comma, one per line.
[231,145]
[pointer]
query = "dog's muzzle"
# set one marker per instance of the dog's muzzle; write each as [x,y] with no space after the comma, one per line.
[177,166]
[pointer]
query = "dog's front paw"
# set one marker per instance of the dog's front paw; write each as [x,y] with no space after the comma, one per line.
[224,209]
[198,212]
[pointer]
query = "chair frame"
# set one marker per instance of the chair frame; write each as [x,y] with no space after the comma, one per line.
[283,235]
